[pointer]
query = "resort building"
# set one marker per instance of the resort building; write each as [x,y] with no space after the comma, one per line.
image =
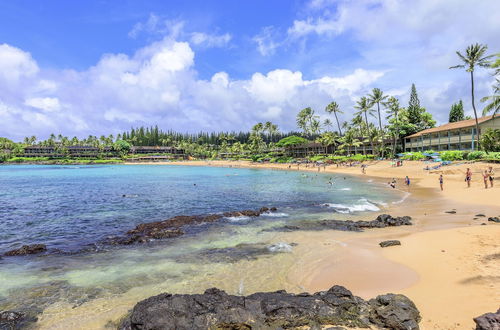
[460,135]
[156,150]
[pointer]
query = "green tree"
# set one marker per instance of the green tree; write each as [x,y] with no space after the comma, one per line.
[364,109]
[414,107]
[328,139]
[475,56]
[491,140]
[393,111]
[493,100]
[334,108]
[377,97]
[307,121]
[290,141]
[456,112]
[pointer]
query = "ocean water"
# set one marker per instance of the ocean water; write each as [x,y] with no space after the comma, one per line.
[71,207]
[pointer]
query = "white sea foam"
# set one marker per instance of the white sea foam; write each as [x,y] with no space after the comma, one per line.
[280,247]
[362,205]
[238,219]
[406,195]
[275,214]
[345,189]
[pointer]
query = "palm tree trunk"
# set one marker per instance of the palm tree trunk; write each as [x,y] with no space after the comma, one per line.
[338,123]
[379,120]
[368,131]
[475,112]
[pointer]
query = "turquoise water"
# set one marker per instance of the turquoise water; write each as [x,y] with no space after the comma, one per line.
[71,207]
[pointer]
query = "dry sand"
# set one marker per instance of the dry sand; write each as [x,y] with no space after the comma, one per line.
[448,264]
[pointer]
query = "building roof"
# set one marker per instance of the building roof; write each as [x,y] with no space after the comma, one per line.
[450,126]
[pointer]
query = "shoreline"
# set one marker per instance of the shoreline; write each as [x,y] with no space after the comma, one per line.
[450,287]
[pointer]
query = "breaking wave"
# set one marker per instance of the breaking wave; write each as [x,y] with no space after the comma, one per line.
[280,247]
[361,206]
[275,214]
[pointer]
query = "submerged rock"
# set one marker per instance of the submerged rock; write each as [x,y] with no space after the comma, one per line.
[488,321]
[172,227]
[27,249]
[383,220]
[389,243]
[215,309]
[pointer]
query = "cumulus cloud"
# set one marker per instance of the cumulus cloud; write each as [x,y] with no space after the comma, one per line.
[49,104]
[159,85]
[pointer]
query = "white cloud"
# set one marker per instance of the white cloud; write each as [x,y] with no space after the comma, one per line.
[159,85]
[15,64]
[49,104]
[210,40]
[266,41]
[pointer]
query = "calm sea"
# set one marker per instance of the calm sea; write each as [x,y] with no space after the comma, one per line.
[70,207]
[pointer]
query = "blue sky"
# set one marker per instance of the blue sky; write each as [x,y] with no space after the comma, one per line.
[99,67]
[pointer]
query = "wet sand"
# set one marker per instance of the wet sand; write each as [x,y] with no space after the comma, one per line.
[450,287]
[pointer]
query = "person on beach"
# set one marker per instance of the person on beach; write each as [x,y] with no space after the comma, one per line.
[393,183]
[407,181]
[491,176]
[468,177]
[485,179]
[363,169]
[441,180]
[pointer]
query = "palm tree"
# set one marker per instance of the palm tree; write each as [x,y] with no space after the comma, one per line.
[393,111]
[328,139]
[474,56]
[494,100]
[315,126]
[305,119]
[258,128]
[364,107]
[377,96]
[327,123]
[349,140]
[334,108]
[271,129]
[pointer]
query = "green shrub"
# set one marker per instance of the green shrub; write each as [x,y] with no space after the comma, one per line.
[452,155]
[413,156]
[473,155]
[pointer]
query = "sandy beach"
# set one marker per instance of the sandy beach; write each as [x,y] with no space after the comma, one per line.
[448,263]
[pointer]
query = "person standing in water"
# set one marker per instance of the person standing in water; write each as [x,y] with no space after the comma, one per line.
[407,181]
[441,180]
[468,177]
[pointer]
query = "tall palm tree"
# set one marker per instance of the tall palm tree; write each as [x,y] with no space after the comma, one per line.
[334,108]
[377,97]
[393,111]
[364,108]
[475,56]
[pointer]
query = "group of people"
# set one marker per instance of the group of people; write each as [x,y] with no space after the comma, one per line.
[488,176]
[396,163]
